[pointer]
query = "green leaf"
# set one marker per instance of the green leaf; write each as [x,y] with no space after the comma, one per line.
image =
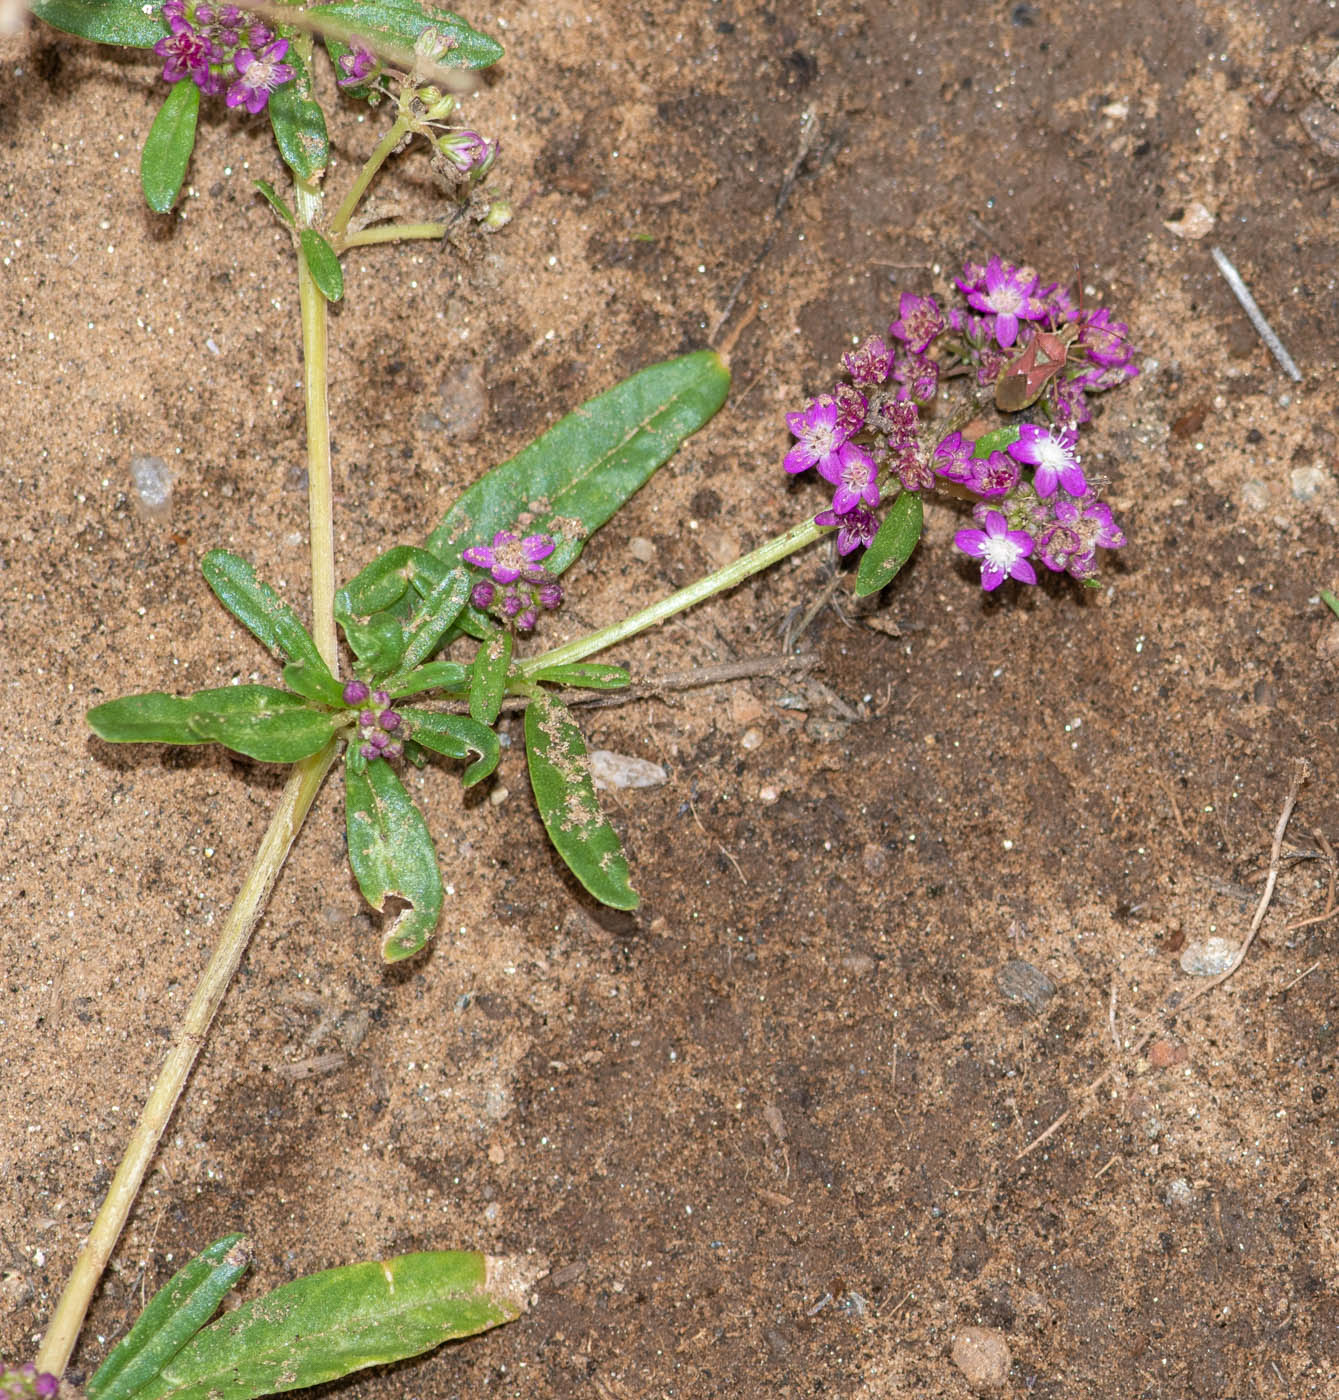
[323,264]
[168,146]
[456,736]
[315,683]
[892,546]
[565,795]
[329,1324]
[381,609]
[589,674]
[489,683]
[997,440]
[571,480]
[429,623]
[398,23]
[392,854]
[299,122]
[276,203]
[175,1314]
[259,608]
[106,21]
[273,726]
[450,676]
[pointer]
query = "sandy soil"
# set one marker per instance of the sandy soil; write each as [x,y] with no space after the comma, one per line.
[767,1130]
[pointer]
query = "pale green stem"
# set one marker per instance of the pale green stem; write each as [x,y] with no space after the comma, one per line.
[298,795]
[389,233]
[806,532]
[320,502]
[375,161]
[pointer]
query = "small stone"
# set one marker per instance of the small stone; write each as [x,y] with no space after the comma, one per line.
[767,795]
[641,549]
[1020,981]
[621,770]
[152,481]
[1179,1193]
[1309,482]
[751,738]
[1208,957]
[1255,495]
[1195,222]
[1163,1054]
[983,1357]
[463,402]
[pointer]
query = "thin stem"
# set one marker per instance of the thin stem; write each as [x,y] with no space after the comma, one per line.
[320,503]
[298,795]
[806,532]
[375,161]
[389,233]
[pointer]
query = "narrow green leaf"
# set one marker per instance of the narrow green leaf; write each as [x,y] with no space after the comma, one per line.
[259,608]
[589,674]
[489,682]
[429,623]
[276,203]
[175,1314]
[565,795]
[168,146]
[313,682]
[450,676]
[298,122]
[392,854]
[323,264]
[456,736]
[571,480]
[386,581]
[997,440]
[329,1324]
[892,546]
[398,23]
[1330,601]
[121,22]
[274,726]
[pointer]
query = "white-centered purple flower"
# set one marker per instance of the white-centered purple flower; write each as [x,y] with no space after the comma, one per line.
[820,437]
[1010,295]
[258,74]
[855,530]
[185,53]
[1052,455]
[855,478]
[510,556]
[1003,552]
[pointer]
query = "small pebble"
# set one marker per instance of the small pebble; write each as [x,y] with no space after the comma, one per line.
[1163,1054]
[1208,957]
[462,402]
[767,795]
[751,738]
[1179,1193]
[152,481]
[1255,495]
[621,770]
[641,549]
[983,1357]
[1309,482]
[1020,981]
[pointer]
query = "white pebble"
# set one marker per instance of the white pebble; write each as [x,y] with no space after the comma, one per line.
[1208,957]
[621,770]
[152,481]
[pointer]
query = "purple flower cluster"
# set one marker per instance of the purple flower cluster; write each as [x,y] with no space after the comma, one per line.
[221,48]
[26,1382]
[517,564]
[381,730]
[1039,356]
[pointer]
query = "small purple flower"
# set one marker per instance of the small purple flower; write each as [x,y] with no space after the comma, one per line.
[469,152]
[953,458]
[855,480]
[1100,528]
[851,409]
[355,66]
[185,53]
[1010,293]
[526,621]
[1053,456]
[510,556]
[258,76]
[355,692]
[482,595]
[898,420]
[45,1385]
[1003,552]
[912,469]
[870,365]
[919,321]
[995,475]
[855,529]
[819,436]
[549,595]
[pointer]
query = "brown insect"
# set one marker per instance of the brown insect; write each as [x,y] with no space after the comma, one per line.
[1023,380]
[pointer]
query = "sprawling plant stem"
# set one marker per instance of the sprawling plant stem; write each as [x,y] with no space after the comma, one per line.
[805,533]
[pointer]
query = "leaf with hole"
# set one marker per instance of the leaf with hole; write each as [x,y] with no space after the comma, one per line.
[455,736]
[391,853]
